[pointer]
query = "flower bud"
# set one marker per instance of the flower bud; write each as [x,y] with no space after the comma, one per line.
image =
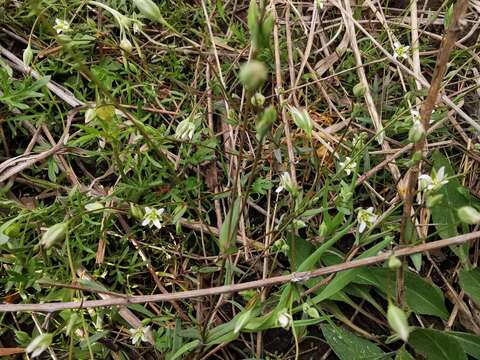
[359,90]
[136,212]
[148,9]
[39,344]
[253,74]
[311,311]
[185,130]
[265,122]
[54,234]
[397,319]
[257,100]
[469,215]
[302,120]
[126,45]
[27,55]
[417,132]
[284,319]
[394,262]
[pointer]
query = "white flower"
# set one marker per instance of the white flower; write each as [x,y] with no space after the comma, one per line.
[400,51]
[153,217]
[185,130]
[39,344]
[284,319]
[434,182]
[366,218]
[348,165]
[61,26]
[139,334]
[415,115]
[286,182]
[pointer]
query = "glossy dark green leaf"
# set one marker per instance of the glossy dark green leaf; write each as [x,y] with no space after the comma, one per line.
[403,354]
[436,345]
[470,282]
[422,296]
[348,346]
[469,342]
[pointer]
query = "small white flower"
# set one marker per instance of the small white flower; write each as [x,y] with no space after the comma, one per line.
[153,217]
[286,182]
[400,51]
[284,319]
[366,218]
[434,182]
[39,344]
[61,26]
[185,130]
[139,334]
[415,115]
[348,165]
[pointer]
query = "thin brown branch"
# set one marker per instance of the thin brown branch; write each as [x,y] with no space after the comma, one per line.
[411,178]
[277,280]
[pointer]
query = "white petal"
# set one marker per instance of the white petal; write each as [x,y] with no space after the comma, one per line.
[370,209]
[160,211]
[441,173]
[362,227]
[148,210]
[145,222]
[157,223]
[279,189]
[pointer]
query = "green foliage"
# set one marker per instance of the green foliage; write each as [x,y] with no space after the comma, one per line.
[211,150]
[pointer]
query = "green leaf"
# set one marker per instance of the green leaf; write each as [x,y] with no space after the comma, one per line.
[348,346]
[436,345]
[403,354]
[344,278]
[228,231]
[422,296]
[470,282]
[186,348]
[444,212]
[469,342]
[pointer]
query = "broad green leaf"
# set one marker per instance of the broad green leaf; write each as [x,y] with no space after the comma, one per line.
[299,250]
[403,354]
[444,212]
[470,282]
[344,278]
[469,342]
[348,346]
[422,296]
[436,345]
